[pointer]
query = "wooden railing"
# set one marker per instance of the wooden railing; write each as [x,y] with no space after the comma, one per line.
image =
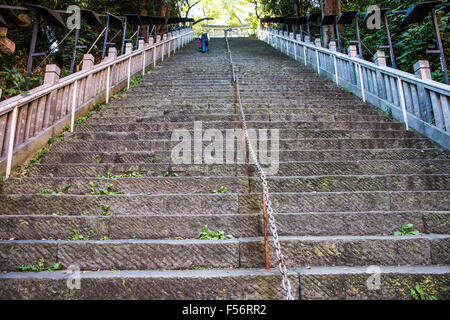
[26,122]
[422,104]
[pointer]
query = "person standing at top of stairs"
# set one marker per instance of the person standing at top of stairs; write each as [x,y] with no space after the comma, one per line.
[204,42]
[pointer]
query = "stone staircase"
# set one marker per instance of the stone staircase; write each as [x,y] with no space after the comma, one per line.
[348,179]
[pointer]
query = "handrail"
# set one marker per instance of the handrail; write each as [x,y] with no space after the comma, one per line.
[27,122]
[80,75]
[421,104]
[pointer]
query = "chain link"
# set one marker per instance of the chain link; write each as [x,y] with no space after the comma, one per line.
[270,213]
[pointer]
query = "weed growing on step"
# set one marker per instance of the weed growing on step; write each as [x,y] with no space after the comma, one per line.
[108,191]
[98,158]
[63,190]
[222,190]
[388,112]
[77,237]
[418,294]
[39,267]
[105,239]
[22,170]
[134,238]
[169,174]
[152,160]
[124,174]
[213,235]
[86,214]
[406,231]
[134,82]
[106,212]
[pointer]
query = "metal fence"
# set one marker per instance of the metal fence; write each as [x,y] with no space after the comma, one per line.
[422,105]
[26,122]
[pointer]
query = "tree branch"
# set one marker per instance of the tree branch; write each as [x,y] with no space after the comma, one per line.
[203,19]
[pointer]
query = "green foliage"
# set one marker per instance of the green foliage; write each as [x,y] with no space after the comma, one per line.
[136,80]
[418,294]
[105,239]
[406,231]
[124,174]
[222,190]
[169,174]
[98,158]
[86,214]
[39,267]
[152,160]
[63,190]
[77,237]
[106,212]
[14,81]
[388,112]
[213,235]
[110,189]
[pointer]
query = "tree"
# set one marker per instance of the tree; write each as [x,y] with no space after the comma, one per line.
[329,7]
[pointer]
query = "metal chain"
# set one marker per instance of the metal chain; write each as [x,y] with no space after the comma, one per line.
[273,227]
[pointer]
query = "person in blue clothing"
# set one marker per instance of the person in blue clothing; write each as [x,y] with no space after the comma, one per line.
[204,42]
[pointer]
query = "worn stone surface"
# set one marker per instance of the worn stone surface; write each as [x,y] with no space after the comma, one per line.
[348,179]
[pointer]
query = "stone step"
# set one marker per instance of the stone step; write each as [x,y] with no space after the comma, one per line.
[243,184]
[230,284]
[29,227]
[225,203]
[301,155]
[232,253]
[317,283]
[318,168]
[164,126]
[236,117]
[285,145]
[284,134]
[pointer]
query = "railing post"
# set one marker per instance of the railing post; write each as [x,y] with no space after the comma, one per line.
[141,45]
[51,77]
[333,48]
[380,58]
[318,43]
[88,64]
[422,71]
[112,54]
[129,50]
[12,137]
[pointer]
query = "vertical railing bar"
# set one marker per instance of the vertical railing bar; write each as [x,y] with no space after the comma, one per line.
[12,136]
[402,101]
[361,81]
[74,102]
[108,80]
